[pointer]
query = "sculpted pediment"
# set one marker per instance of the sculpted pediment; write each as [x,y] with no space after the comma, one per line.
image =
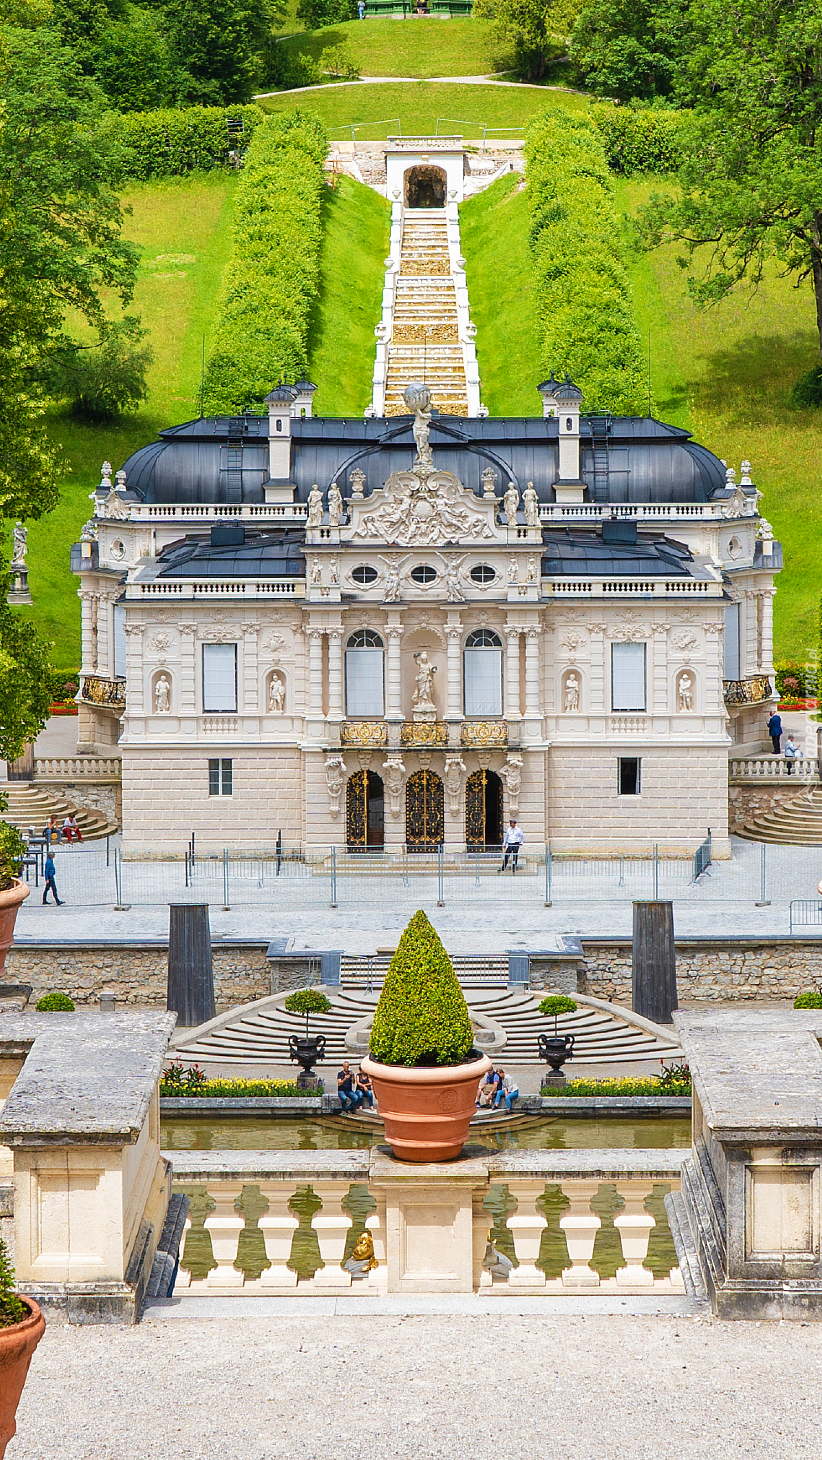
[423,508]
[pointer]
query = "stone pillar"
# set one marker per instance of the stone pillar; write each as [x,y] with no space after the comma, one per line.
[134,669]
[105,637]
[453,635]
[714,667]
[278,1227]
[580,1226]
[653,961]
[251,695]
[512,677]
[766,662]
[527,1226]
[533,705]
[315,673]
[335,704]
[88,604]
[331,1225]
[660,669]
[634,1226]
[394,633]
[188,669]
[224,1225]
[190,991]
[600,670]
[750,665]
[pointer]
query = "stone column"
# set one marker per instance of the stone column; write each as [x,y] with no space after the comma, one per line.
[188,668]
[660,669]
[251,694]
[766,661]
[634,1225]
[714,667]
[335,704]
[527,1226]
[533,705]
[750,666]
[278,1227]
[512,677]
[315,673]
[88,608]
[580,1226]
[105,636]
[394,634]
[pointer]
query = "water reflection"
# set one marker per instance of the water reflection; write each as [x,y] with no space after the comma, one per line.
[259,1134]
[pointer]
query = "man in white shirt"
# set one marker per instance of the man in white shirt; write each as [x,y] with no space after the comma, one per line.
[511,843]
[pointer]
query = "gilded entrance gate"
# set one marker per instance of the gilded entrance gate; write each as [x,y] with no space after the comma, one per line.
[483,811]
[424,812]
[364,805]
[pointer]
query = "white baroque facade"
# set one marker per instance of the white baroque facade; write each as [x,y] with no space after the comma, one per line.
[401,633]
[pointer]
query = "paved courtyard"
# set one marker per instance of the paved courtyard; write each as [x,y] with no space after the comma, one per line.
[578,1387]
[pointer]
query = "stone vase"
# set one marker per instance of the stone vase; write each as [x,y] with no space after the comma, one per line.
[427,1109]
[10,901]
[17,1344]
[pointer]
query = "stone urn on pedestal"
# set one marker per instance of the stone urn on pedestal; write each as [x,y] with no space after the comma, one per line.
[22,1325]
[306,1050]
[556,1048]
[422,1063]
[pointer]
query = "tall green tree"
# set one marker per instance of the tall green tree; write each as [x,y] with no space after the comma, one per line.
[629,49]
[221,46]
[749,190]
[532,31]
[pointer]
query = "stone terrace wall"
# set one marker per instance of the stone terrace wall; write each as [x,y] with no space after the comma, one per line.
[750,799]
[135,973]
[710,969]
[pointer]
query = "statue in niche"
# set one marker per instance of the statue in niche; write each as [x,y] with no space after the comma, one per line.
[362,1259]
[686,693]
[424,680]
[530,503]
[335,505]
[571,694]
[511,504]
[162,698]
[19,545]
[316,571]
[315,507]
[276,695]
[532,570]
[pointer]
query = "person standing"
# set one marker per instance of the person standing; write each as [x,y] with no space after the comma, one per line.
[775,731]
[51,885]
[511,843]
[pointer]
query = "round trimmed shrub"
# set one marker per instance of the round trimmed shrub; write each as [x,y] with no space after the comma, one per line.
[308,1001]
[55,1003]
[422,1017]
[810,999]
[558,1004]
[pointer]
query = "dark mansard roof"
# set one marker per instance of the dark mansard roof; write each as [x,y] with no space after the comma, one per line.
[568,552]
[263,555]
[225,460]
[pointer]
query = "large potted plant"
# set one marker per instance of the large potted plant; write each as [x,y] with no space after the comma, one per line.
[13,890]
[22,1325]
[307,1051]
[422,1061]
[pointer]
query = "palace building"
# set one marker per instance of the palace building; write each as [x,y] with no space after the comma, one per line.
[398,631]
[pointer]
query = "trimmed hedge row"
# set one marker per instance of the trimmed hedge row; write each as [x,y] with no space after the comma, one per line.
[168,142]
[639,139]
[271,280]
[582,295]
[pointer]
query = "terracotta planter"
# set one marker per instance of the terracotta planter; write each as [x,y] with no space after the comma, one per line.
[10,901]
[427,1110]
[17,1344]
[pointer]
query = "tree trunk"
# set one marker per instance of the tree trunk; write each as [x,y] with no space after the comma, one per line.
[653,960]
[816,269]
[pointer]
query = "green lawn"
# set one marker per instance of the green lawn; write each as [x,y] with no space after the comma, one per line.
[494,238]
[341,345]
[377,111]
[413,47]
[725,373]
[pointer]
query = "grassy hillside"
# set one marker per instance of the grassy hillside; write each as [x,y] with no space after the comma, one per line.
[341,345]
[416,47]
[494,238]
[376,110]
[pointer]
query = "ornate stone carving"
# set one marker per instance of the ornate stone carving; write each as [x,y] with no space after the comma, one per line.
[160,644]
[454,772]
[530,503]
[511,503]
[315,507]
[421,508]
[573,640]
[334,780]
[335,505]
[511,774]
[391,585]
[685,641]
[489,481]
[393,775]
[453,588]
[357,480]
[113,506]
[423,701]
[223,633]
[629,633]
[274,643]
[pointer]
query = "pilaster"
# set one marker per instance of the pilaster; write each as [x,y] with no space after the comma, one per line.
[512,710]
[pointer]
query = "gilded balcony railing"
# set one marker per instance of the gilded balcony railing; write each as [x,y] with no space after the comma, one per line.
[364,732]
[108,692]
[484,734]
[751,691]
[424,732]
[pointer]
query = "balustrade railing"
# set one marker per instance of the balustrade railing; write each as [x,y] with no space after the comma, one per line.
[98,691]
[482,733]
[426,732]
[541,1221]
[364,732]
[751,691]
[89,767]
[774,768]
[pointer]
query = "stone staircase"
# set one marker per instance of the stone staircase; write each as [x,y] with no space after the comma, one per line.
[32,805]
[363,972]
[425,343]
[798,823]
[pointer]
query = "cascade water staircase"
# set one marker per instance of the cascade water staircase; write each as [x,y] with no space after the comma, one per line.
[425,343]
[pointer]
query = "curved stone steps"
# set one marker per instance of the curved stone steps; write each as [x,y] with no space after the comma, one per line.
[32,805]
[797,823]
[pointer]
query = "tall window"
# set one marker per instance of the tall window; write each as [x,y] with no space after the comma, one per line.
[119,656]
[219,677]
[482,676]
[732,655]
[627,676]
[364,674]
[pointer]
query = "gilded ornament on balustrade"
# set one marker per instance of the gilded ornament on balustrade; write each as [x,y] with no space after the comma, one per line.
[364,732]
[484,733]
[424,733]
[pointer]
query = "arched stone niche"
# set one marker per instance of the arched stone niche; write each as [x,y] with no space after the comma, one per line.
[276,690]
[162,692]
[571,691]
[424,186]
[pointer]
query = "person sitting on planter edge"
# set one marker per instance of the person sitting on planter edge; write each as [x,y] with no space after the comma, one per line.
[488,1089]
[350,1097]
[507,1091]
[365,1089]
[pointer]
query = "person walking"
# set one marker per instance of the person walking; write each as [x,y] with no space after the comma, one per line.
[775,731]
[361,9]
[51,885]
[511,843]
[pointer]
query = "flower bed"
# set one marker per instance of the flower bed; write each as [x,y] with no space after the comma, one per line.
[652,1086]
[234,1089]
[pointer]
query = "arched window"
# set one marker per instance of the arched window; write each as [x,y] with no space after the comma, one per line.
[364,675]
[483,673]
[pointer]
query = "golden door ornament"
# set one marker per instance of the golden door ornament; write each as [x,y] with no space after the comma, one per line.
[356,809]
[475,810]
[424,812]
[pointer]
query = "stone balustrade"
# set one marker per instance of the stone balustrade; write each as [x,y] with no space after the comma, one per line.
[774,768]
[90,767]
[437,1228]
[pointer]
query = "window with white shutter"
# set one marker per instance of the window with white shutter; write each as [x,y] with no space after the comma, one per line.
[219,677]
[627,676]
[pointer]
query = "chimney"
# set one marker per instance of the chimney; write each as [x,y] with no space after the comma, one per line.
[280,402]
[562,399]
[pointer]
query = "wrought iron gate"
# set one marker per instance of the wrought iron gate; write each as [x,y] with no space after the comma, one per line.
[364,825]
[424,812]
[483,811]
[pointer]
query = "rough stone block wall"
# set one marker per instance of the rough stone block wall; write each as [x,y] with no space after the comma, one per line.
[683,792]
[135,975]
[165,799]
[105,798]
[752,799]
[708,970]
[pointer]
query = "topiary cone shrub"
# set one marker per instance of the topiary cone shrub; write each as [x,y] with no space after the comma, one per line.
[422,1017]
[422,1064]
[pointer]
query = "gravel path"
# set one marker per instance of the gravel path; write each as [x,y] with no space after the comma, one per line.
[583,1388]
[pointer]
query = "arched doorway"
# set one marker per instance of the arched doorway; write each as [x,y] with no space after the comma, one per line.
[424,812]
[364,811]
[483,811]
[424,187]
